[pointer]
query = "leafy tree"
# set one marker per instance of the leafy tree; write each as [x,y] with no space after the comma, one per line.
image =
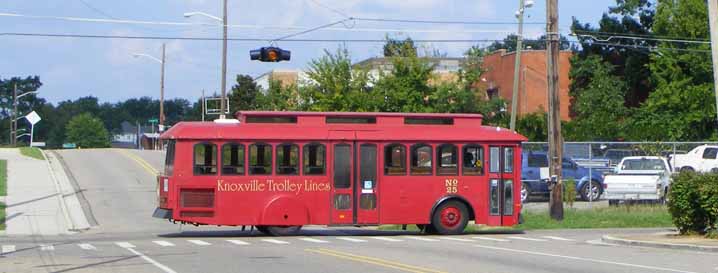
[244,94]
[25,105]
[280,98]
[406,88]
[87,131]
[599,103]
[335,86]
[399,48]
[534,126]
[509,43]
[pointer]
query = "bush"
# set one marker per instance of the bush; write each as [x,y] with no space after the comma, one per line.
[694,202]
[569,191]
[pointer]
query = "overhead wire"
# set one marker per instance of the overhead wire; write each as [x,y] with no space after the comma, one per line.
[638,35]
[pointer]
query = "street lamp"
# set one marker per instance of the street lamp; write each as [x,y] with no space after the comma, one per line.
[162,83]
[523,5]
[223,20]
[13,122]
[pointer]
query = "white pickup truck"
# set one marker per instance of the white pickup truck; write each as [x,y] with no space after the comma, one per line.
[703,158]
[638,178]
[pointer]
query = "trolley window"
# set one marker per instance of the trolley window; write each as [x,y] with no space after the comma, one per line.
[170,157]
[314,159]
[288,159]
[447,156]
[205,159]
[232,159]
[421,159]
[395,159]
[260,159]
[473,160]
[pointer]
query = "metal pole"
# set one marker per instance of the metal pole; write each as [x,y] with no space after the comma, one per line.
[554,130]
[162,89]
[13,124]
[713,19]
[223,107]
[203,104]
[590,176]
[517,65]
[32,133]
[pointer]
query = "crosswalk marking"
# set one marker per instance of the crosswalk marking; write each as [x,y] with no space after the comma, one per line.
[47,247]
[313,240]
[87,246]
[490,239]
[199,242]
[526,239]
[558,238]
[125,245]
[274,241]
[163,243]
[421,238]
[7,249]
[238,242]
[458,239]
[387,239]
[350,239]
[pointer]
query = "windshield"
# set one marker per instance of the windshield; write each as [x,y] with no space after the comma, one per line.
[643,164]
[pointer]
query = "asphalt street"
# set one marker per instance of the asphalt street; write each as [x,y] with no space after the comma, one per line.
[120,190]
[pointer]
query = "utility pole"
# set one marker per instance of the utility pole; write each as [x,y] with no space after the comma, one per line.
[223,105]
[555,142]
[713,19]
[517,64]
[162,90]
[13,124]
[203,105]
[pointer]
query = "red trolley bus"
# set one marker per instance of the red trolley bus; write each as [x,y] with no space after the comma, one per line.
[278,171]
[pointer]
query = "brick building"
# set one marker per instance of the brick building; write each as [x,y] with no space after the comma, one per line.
[533,93]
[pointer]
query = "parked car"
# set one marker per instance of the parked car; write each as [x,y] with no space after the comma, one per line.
[614,156]
[703,158]
[639,178]
[531,183]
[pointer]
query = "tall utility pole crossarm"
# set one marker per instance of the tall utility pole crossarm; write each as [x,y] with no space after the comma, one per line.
[517,66]
[713,19]
[555,141]
[162,89]
[223,105]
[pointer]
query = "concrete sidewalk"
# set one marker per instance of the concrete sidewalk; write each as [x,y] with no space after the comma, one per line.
[664,239]
[35,201]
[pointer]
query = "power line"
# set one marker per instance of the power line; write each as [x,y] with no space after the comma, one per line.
[330,9]
[642,39]
[638,35]
[442,22]
[651,48]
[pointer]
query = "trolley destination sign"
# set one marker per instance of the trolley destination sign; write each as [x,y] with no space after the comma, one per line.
[274,186]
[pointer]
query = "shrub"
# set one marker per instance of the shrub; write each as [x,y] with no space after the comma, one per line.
[569,192]
[694,202]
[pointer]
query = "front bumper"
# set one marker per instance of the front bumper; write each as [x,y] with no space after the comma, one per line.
[631,196]
[162,213]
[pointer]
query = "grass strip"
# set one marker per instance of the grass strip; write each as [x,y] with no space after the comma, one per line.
[32,152]
[2,216]
[3,177]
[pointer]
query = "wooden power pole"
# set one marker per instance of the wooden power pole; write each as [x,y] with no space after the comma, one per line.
[555,142]
[713,19]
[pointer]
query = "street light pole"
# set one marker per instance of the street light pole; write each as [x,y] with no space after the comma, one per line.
[517,64]
[13,128]
[223,105]
[162,89]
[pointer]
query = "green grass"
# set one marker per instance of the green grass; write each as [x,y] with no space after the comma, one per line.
[3,177]
[2,216]
[637,216]
[32,152]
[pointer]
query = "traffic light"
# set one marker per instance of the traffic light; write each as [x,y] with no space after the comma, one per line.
[270,54]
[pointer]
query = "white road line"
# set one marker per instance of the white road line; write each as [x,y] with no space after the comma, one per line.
[47,247]
[350,239]
[457,239]
[558,238]
[313,240]
[124,244]
[275,241]
[87,246]
[7,249]
[583,259]
[163,243]
[153,262]
[387,239]
[526,239]
[238,242]
[199,242]
[421,238]
[600,243]
[491,239]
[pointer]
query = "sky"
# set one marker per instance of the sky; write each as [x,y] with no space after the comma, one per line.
[70,68]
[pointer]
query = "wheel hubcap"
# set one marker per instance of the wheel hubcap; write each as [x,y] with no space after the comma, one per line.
[450,217]
[524,193]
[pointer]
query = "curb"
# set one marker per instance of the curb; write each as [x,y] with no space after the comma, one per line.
[61,199]
[621,241]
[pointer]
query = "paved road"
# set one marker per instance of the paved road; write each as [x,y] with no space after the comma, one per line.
[120,191]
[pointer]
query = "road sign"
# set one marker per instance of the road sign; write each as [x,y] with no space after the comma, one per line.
[69,146]
[153,120]
[37,144]
[33,118]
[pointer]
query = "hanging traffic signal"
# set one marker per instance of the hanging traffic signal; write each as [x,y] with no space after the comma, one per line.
[270,54]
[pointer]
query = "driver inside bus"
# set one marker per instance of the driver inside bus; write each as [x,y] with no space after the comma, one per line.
[470,162]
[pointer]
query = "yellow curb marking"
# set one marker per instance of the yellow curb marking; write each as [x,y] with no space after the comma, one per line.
[372,260]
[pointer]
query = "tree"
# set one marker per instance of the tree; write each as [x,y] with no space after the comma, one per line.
[25,105]
[534,126]
[406,88]
[509,43]
[280,98]
[87,131]
[335,86]
[244,94]
[399,48]
[599,102]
